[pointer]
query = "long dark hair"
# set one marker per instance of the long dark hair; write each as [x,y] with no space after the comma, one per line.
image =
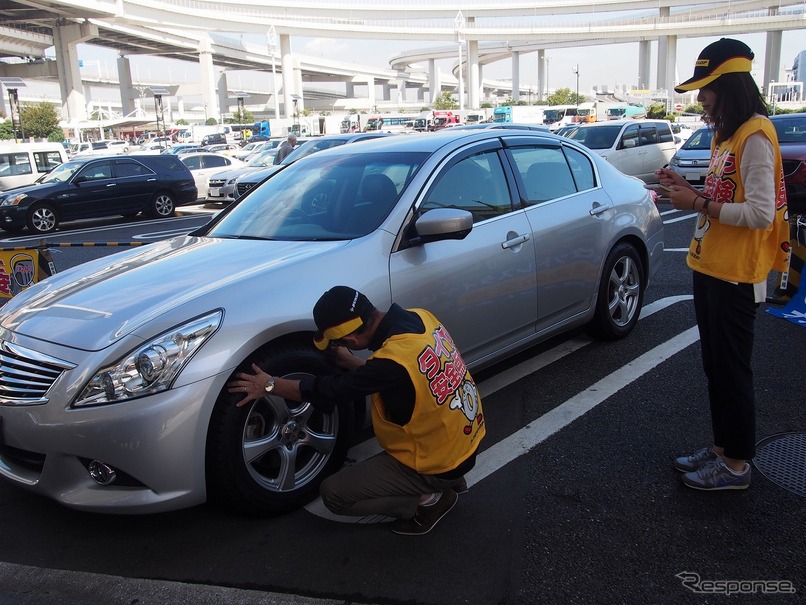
[737,100]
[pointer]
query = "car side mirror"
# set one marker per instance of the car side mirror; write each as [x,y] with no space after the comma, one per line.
[441,224]
[628,143]
[79,179]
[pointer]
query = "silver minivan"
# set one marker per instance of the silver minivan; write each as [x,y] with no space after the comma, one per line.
[635,147]
[692,159]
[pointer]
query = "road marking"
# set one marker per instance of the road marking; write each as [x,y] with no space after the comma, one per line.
[522,441]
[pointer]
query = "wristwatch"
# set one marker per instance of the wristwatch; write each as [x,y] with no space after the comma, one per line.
[270,385]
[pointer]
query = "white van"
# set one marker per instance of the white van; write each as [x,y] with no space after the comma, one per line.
[635,147]
[23,163]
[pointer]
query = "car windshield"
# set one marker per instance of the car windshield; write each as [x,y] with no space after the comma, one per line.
[791,129]
[596,137]
[323,198]
[700,140]
[61,173]
[262,159]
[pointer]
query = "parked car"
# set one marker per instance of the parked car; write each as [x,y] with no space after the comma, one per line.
[203,165]
[256,147]
[89,148]
[24,163]
[216,138]
[636,147]
[221,185]
[118,147]
[681,132]
[499,125]
[305,148]
[152,147]
[692,159]
[98,186]
[225,149]
[566,130]
[791,129]
[514,236]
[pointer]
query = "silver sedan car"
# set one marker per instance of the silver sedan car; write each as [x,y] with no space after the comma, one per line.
[113,373]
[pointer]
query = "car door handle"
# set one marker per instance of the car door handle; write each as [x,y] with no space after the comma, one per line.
[515,241]
[598,208]
[111,184]
[151,180]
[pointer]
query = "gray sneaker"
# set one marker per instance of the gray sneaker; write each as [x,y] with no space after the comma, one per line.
[688,464]
[427,516]
[716,475]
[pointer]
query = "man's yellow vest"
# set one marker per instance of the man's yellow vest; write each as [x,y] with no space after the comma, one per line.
[447,423]
[732,253]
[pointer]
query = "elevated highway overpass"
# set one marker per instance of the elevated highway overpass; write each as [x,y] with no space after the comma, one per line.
[491,31]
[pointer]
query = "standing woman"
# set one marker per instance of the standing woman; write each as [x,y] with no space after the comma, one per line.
[742,234]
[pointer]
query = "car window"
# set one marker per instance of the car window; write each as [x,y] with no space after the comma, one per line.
[790,129]
[215,161]
[335,198]
[545,173]
[630,137]
[130,168]
[47,160]
[647,135]
[15,163]
[595,137]
[665,134]
[581,168]
[476,184]
[194,163]
[699,140]
[96,171]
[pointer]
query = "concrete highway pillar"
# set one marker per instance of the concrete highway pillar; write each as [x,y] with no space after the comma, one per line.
[386,92]
[473,72]
[772,56]
[434,84]
[644,57]
[207,77]
[288,75]
[125,85]
[223,96]
[65,40]
[371,93]
[516,76]
[541,74]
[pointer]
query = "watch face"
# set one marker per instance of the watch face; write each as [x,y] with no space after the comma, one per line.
[269,386]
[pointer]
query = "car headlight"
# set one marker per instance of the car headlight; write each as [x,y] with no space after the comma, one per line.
[13,200]
[231,181]
[675,161]
[152,367]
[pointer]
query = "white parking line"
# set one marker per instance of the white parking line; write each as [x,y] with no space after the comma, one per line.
[521,442]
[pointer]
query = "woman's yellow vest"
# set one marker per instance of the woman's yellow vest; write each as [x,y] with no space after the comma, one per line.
[447,423]
[733,253]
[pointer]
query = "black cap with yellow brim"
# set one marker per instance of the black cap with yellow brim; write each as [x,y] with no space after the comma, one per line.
[724,56]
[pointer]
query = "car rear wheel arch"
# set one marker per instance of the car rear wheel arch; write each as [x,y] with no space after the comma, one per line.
[162,205]
[621,290]
[298,446]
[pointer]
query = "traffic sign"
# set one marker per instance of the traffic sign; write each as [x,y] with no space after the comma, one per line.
[678,107]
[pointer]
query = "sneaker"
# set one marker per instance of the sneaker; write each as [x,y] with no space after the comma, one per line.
[689,464]
[426,517]
[460,487]
[716,475]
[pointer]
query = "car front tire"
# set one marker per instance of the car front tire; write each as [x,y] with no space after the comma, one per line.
[621,294]
[270,455]
[42,219]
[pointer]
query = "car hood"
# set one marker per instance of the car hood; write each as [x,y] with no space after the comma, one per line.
[262,173]
[235,172]
[37,189]
[96,304]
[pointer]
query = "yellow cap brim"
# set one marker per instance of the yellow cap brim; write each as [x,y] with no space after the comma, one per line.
[334,333]
[734,65]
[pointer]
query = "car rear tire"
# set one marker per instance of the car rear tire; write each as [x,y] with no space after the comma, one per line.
[621,294]
[162,205]
[271,455]
[42,219]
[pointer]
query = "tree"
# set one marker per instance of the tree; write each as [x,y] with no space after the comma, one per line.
[181,122]
[39,120]
[656,111]
[211,122]
[445,101]
[565,96]
[6,131]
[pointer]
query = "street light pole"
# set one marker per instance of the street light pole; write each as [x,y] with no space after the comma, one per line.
[576,73]
[459,22]
[272,46]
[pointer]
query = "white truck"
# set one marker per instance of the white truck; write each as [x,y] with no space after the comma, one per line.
[519,114]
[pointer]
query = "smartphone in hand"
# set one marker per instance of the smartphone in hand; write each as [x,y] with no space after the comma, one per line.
[658,187]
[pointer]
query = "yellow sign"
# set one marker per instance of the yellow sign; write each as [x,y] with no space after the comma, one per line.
[18,270]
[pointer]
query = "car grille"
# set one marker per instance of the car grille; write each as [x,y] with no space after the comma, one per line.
[244,188]
[26,376]
[216,182]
